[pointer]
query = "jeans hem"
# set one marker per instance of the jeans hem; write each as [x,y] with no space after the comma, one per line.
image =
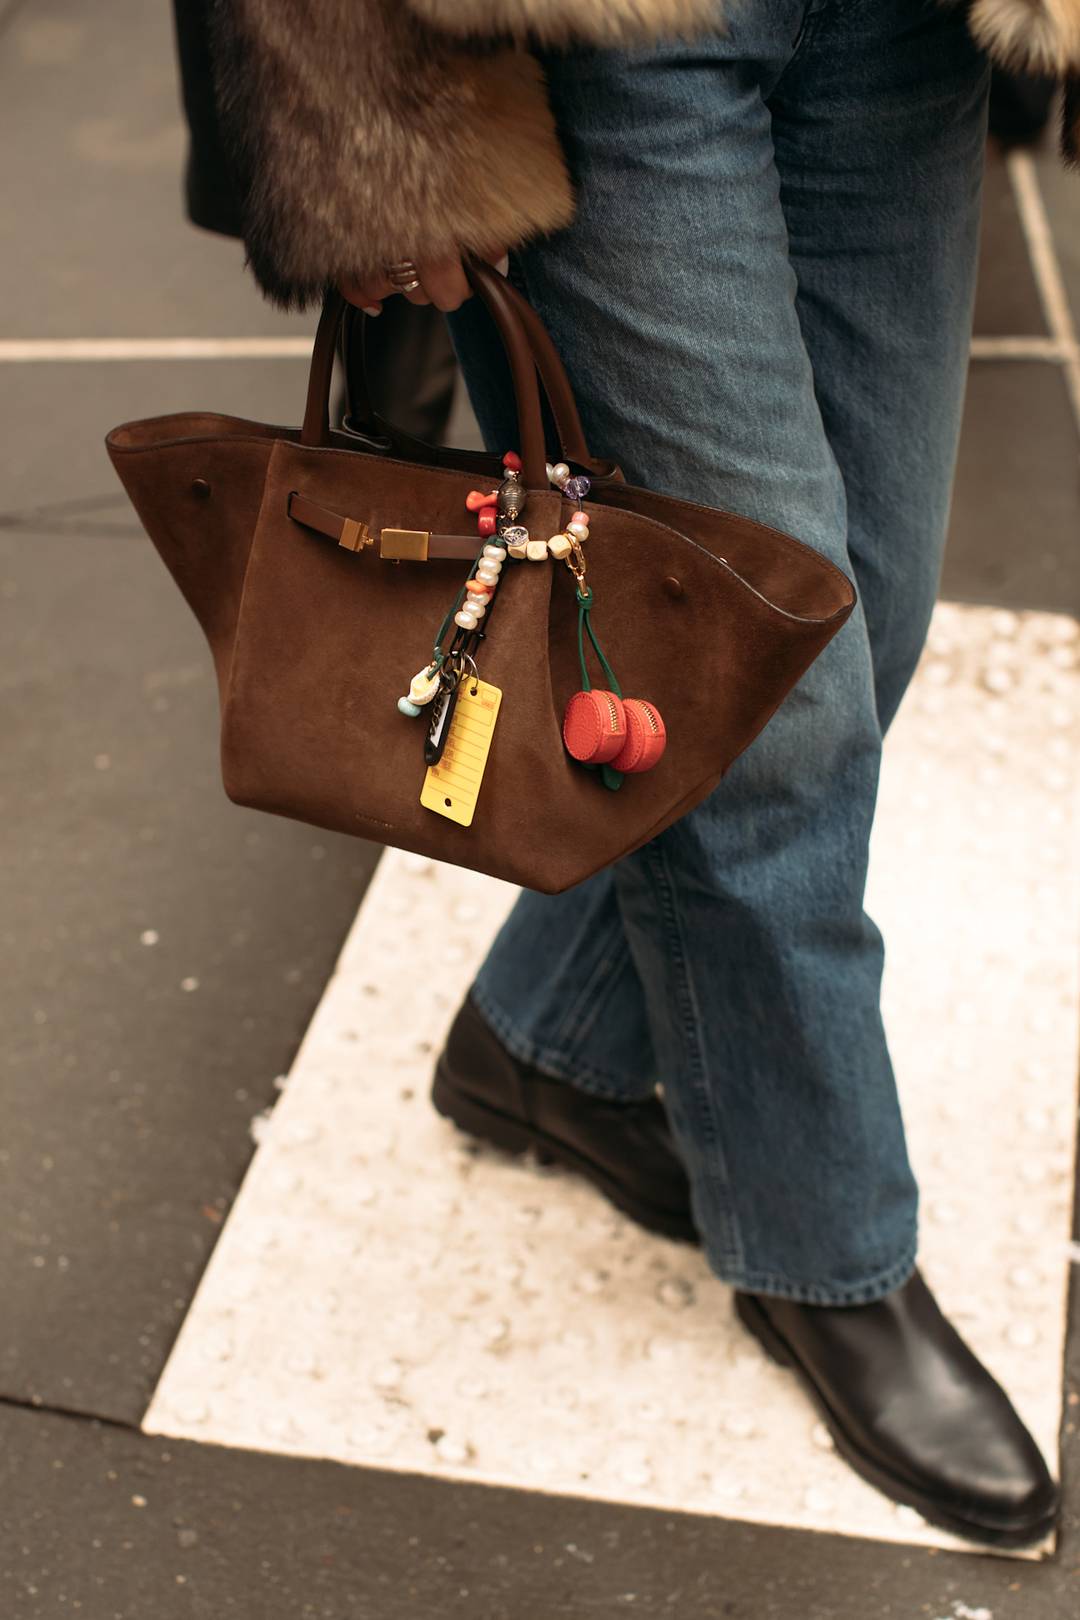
[556,1065]
[867,1292]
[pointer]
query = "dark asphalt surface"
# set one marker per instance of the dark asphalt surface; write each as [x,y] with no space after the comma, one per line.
[163,951]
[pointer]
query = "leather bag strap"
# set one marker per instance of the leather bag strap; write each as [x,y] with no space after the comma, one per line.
[529,350]
[490,287]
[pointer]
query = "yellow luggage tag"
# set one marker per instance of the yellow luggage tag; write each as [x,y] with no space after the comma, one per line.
[452,787]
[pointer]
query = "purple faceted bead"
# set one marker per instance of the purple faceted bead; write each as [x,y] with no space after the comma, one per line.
[576,489]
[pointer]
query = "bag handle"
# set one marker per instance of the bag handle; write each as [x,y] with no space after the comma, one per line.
[316,428]
[529,350]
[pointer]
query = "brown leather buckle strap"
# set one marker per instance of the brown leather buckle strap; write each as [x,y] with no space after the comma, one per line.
[395,545]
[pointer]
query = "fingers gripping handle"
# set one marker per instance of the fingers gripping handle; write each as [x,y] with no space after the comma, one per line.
[529,349]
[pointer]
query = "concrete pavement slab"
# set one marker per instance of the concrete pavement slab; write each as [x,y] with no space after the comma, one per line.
[1007,299]
[1060,189]
[110,1525]
[56,416]
[163,951]
[384,1294]
[102,247]
[1016,506]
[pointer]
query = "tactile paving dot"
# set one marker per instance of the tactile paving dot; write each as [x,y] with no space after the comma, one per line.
[385,1293]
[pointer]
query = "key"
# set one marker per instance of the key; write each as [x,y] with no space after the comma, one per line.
[442,712]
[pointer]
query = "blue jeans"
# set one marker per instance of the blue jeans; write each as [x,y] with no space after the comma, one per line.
[764,303]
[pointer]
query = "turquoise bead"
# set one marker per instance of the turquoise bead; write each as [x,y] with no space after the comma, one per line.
[406,706]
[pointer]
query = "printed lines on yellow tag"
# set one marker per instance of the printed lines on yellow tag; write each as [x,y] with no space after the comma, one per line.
[452,787]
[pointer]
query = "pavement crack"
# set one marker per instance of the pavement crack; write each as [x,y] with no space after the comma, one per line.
[78,1413]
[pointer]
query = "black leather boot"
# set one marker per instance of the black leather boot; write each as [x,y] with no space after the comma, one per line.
[624,1149]
[913,1410]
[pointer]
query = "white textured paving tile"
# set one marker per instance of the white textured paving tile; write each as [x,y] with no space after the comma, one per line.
[385,1294]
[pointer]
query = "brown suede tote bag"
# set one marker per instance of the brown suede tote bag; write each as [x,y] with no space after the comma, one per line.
[321,563]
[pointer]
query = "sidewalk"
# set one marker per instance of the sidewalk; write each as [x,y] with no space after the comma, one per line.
[165,954]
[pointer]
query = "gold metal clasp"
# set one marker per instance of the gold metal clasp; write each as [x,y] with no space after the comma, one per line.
[404,545]
[354,535]
[576,562]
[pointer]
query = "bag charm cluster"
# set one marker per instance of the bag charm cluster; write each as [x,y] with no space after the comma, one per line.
[620,736]
[601,729]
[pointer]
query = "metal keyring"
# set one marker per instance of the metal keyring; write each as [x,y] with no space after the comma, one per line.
[467,658]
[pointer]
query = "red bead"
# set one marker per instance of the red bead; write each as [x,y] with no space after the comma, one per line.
[512,461]
[486,521]
[476,499]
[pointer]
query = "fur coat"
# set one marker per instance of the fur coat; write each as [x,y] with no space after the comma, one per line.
[364,131]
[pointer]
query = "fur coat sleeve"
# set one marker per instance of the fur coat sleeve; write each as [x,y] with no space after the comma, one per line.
[364,131]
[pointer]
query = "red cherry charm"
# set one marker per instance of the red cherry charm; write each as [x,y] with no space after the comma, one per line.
[594,726]
[646,738]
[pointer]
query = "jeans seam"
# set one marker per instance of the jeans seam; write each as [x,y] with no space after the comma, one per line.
[689,1014]
[572,1028]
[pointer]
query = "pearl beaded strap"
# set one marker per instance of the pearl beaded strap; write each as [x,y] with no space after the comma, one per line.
[498,512]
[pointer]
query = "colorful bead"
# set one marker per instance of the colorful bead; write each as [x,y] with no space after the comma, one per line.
[512,461]
[423,686]
[487,520]
[580,531]
[576,489]
[580,517]
[476,499]
[559,547]
[476,587]
[407,707]
[560,472]
[536,551]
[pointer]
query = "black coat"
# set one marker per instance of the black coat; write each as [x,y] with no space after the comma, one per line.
[212,190]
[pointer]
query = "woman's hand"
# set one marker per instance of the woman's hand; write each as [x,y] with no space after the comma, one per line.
[443,282]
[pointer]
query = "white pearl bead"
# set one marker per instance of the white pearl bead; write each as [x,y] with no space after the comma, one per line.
[488,576]
[537,551]
[477,599]
[467,621]
[477,608]
[549,468]
[580,531]
[560,473]
[496,553]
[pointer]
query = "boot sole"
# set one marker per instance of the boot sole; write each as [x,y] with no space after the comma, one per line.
[776,1347]
[515,1137]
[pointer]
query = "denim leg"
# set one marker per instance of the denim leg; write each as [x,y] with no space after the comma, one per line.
[577,1013]
[675,300]
[881,193]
